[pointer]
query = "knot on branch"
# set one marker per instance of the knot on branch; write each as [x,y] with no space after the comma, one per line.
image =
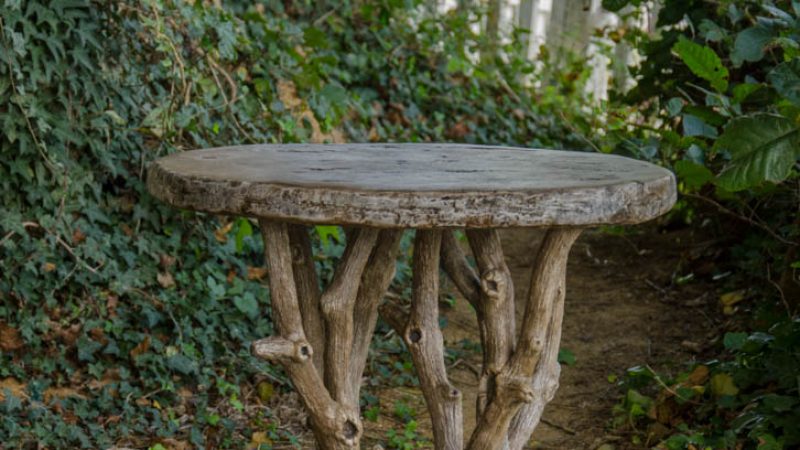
[349,432]
[494,283]
[517,389]
[277,348]
[297,254]
[413,335]
[448,391]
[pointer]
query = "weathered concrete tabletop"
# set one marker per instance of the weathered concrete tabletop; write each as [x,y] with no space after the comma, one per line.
[323,336]
[415,185]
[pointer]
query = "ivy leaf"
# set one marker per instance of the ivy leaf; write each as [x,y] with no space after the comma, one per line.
[247,304]
[182,364]
[763,147]
[703,62]
[749,44]
[786,80]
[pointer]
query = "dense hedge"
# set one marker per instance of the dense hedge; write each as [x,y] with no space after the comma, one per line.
[124,321]
[717,100]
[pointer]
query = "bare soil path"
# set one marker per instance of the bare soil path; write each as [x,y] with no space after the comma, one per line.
[621,310]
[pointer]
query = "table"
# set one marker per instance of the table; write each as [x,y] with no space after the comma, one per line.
[376,191]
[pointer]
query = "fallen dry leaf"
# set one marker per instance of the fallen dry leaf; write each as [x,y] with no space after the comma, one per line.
[166,261]
[258,439]
[141,347]
[66,334]
[78,236]
[16,388]
[174,444]
[60,393]
[698,376]
[126,229]
[112,300]
[221,234]
[165,280]
[256,273]
[10,339]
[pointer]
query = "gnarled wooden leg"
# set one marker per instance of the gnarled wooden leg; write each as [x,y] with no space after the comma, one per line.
[308,293]
[424,340]
[375,281]
[497,308]
[520,380]
[333,404]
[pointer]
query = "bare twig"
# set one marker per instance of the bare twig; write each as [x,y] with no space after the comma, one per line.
[745,219]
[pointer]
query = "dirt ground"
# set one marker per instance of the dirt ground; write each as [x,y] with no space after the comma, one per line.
[622,310]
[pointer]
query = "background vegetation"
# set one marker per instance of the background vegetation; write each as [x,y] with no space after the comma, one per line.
[716,100]
[125,322]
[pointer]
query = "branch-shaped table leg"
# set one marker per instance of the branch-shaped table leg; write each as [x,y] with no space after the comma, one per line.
[497,307]
[538,341]
[375,281]
[338,302]
[308,293]
[333,404]
[424,340]
[334,427]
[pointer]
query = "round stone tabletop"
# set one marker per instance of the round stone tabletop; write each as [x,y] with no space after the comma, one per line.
[414,185]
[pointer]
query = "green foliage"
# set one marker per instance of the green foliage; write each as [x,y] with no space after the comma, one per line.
[762,147]
[750,400]
[703,62]
[408,438]
[717,100]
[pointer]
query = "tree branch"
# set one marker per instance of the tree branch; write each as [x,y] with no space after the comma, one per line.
[308,292]
[424,340]
[338,303]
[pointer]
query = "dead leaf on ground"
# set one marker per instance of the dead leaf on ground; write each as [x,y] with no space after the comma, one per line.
[165,280]
[78,236]
[66,334]
[126,229]
[16,388]
[141,347]
[258,439]
[698,376]
[221,234]
[174,444]
[61,393]
[729,299]
[110,376]
[166,261]
[10,339]
[112,300]
[256,273]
